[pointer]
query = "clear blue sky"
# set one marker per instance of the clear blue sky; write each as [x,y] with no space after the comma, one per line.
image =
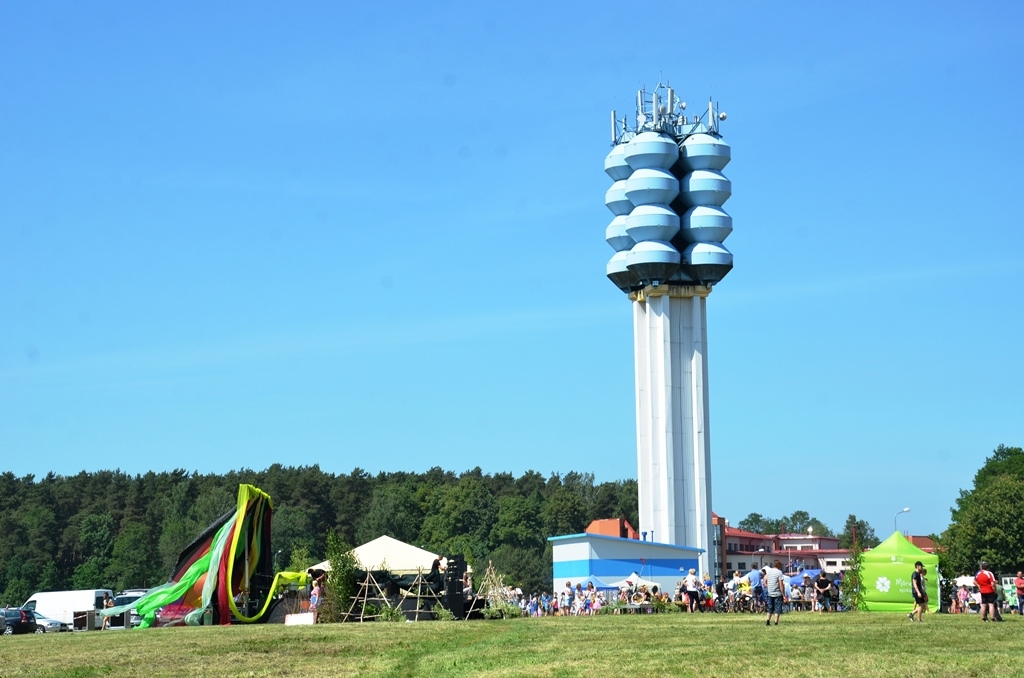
[373,235]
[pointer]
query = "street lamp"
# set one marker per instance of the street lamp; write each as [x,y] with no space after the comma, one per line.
[906,510]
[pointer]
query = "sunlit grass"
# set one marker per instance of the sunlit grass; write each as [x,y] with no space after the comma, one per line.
[854,644]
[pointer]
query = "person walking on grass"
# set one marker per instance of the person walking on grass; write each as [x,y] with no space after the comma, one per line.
[986,583]
[1018,583]
[917,584]
[775,587]
[107,603]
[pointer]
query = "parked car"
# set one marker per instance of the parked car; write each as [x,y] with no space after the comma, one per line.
[67,606]
[17,620]
[51,625]
[127,619]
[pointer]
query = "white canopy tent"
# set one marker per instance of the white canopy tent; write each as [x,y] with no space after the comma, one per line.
[634,580]
[389,553]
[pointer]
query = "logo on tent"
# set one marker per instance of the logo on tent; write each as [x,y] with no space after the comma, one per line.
[882,584]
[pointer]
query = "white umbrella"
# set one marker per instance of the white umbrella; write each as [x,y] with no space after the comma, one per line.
[634,580]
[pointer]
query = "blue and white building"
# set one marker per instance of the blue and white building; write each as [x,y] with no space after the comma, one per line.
[578,556]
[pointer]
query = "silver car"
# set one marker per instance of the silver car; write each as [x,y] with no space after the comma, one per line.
[50,625]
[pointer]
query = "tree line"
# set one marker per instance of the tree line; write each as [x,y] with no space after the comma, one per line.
[802,521]
[109,529]
[988,520]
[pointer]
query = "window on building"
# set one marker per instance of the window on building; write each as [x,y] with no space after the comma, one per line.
[743,566]
[728,566]
[830,563]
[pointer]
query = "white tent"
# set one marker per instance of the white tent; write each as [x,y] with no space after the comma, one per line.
[634,580]
[965,580]
[389,553]
[394,555]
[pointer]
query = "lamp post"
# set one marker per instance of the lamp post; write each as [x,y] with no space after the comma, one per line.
[906,510]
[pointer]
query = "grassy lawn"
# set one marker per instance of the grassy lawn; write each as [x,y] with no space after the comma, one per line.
[852,644]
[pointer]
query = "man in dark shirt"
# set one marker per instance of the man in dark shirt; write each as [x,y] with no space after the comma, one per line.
[917,581]
[823,589]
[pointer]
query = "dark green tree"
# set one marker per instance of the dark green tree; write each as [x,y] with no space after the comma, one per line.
[518,524]
[95,536]
[522,567]
[564,513]
[866,538]
[292,532]
[394,511]
[988,524]
[1005,461]
[131,562]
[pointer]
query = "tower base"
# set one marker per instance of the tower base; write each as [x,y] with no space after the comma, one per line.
[672,422]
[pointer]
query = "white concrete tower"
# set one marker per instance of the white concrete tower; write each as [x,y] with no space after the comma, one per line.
[667,235]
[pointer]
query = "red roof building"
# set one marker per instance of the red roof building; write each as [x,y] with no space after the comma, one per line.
[613,527]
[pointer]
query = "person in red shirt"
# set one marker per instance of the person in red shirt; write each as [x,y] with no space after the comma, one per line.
[986,583]
[1019,583]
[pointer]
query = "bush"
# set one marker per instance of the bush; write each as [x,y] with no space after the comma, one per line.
[502,611]
[391,614]
[341,582]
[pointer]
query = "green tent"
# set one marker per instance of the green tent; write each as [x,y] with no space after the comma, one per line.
[885,575]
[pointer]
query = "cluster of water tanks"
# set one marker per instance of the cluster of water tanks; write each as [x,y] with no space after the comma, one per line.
[667,200]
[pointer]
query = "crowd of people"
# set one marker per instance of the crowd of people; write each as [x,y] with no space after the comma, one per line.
[986,597]
[741,593]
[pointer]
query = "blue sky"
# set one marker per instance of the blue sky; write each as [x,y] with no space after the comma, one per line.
[374,236]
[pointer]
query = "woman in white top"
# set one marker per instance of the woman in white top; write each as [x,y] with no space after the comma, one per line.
[691,583]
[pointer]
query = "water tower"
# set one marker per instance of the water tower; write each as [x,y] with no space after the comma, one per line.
[667,233]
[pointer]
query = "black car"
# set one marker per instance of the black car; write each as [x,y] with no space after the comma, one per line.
[16,620]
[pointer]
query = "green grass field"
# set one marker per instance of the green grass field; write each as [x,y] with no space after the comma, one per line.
[852,644]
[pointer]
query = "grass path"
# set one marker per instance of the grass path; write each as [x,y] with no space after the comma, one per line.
[857,644]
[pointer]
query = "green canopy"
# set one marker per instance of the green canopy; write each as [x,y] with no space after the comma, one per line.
[885,573]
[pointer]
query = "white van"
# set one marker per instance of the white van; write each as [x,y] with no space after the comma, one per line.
[66,605]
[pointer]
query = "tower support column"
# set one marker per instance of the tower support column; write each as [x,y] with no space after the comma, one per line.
[672,421]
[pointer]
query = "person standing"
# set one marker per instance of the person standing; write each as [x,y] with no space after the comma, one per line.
[986,583]
[775,587]
[107,603]
[1000,602]
[964,595]
[1019,584]
[917,585]
[314,600]
[823,590]
[720,592]
[691,583]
